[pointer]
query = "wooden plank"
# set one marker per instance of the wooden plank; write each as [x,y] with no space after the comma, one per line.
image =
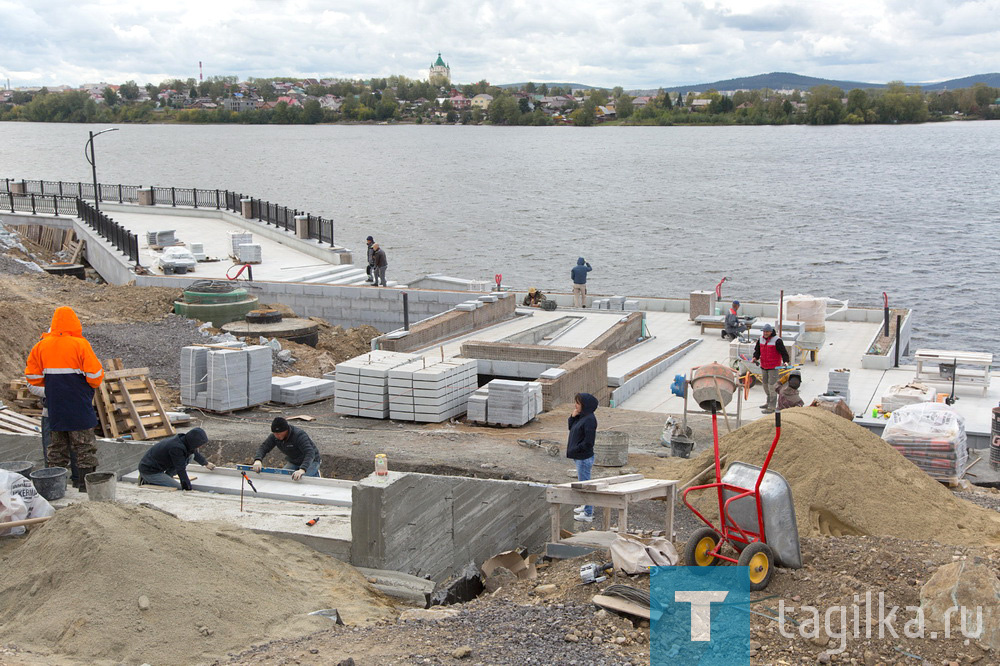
[167,426]
[620,605]
[140,429]
[559,495]
[121,373]
[610,480]
[639,486]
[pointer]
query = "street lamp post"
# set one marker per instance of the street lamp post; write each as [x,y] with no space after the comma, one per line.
[93,164]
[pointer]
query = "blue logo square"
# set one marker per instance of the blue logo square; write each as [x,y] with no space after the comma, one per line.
[698,615]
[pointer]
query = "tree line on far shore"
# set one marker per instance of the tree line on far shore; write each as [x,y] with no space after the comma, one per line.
[398,99]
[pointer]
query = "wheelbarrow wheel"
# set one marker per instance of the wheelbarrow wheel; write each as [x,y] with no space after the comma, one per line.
[759,560]
[697,549]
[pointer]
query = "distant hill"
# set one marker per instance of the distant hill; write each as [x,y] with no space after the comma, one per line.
[992,79]
[570,86]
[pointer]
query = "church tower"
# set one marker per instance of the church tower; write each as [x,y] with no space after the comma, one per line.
[440,73]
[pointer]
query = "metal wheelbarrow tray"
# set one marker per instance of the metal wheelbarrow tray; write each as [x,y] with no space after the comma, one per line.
[776,502]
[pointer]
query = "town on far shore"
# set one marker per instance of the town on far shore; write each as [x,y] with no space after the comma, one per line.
[436,100]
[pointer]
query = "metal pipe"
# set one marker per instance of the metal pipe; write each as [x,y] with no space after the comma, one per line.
[899,338]
[406,311]
[885,309]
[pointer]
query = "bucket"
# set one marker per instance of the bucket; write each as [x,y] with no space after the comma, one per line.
[22,467]
[713,385]
[50,482]
[101,486]
[681,447]
[611,449]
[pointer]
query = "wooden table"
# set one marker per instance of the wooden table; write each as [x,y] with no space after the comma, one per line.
[615,492]
[977,375]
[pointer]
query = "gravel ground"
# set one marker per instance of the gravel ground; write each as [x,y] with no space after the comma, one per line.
[154,345]
[13,266]
[984,498]
[500,632]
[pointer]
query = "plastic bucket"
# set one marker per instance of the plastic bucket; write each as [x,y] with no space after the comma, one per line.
[611,449]
[50,482]
[101,486]
[681,448]
[22,467]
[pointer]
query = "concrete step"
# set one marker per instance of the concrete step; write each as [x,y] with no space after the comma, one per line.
[327,273]
[356,276]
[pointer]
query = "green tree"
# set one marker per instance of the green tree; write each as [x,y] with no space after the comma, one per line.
[110,96]
[624,107]
[824,106]
[312,113]
[529,87]
[524,105]
[129,91]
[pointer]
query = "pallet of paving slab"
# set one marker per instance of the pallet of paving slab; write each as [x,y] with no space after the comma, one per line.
[128,404]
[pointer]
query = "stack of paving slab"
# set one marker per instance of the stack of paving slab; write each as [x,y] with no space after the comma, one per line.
[362,387]
[615,303]
[505,402]
[161,238]
[839,384]
[237,238]
[223,379]
[469,306]
[298,390]
[249,253]
[431,392]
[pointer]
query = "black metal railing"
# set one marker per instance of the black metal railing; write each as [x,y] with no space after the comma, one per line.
[46,204]
[124,241]
[319,228]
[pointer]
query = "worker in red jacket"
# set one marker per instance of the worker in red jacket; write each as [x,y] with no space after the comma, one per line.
[770,353]
[64,363]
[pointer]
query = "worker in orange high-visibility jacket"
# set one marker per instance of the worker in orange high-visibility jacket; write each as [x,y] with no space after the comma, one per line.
[64,363]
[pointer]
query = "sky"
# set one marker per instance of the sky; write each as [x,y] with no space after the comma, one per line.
[635,44]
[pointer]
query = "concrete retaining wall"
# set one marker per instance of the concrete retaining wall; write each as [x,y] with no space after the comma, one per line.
[112,455]
[20,219]
[448,325]
[428,525]
[621,336]
[586,369]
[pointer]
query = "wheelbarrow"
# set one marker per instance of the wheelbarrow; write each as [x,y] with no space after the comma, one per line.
[756,515]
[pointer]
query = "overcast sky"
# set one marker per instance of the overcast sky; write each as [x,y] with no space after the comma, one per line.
[636,43]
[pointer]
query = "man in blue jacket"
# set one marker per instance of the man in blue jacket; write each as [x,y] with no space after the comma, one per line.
[580,445]
[170,457]
[579,275]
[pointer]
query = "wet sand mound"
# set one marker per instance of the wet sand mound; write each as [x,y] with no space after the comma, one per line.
[78,586]
[846,480]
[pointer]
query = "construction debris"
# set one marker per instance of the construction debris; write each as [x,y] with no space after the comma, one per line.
[18,424]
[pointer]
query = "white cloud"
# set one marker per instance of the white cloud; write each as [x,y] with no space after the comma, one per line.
[640,43]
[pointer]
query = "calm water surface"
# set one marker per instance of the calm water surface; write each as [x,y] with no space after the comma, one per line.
[845,212]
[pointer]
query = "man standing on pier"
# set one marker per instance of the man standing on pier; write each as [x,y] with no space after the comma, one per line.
[370,268]
[379,264]
[579,275]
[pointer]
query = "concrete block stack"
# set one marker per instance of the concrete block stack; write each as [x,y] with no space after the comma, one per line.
[600,303]
[508,402]
[223,379]
[298,390]
[362,383]
[616,303]
[249,253]
[839,384]
[237,238]
[431,392]
[161,238]
[631,305]
[469,306]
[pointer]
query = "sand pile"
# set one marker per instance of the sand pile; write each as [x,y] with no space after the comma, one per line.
[846,480]
[79,584]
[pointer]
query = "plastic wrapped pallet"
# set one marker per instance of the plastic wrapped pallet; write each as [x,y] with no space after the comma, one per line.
[259,368]
[476,406]
[509,402]
[227,383]
[808,309]
[931,436]
[194,376]
[901,395]
[249,253]
[431,391]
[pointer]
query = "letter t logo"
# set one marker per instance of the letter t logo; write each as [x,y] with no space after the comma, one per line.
[701,611]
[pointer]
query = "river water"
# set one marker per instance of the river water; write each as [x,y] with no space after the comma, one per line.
[845,212]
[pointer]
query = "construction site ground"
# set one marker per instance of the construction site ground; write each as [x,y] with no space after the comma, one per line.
[516,624]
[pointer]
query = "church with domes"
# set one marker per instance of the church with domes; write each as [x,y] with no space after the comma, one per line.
[440,73]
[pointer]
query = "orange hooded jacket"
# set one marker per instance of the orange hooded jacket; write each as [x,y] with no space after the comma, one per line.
[64,363]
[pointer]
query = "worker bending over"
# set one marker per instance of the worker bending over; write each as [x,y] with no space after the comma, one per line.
[170,457]
[733,324]
[299,450]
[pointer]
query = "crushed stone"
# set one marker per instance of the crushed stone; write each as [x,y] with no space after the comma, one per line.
[155,345]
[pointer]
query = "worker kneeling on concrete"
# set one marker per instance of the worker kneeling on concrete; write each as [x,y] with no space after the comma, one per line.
[299,450]
[170,457]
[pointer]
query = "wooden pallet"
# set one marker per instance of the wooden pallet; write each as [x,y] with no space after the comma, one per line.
[128,404]
[27,404]
[19,424]
[49,238]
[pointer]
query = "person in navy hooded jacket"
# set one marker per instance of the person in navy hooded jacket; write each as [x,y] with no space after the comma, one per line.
[580,445]
[579,275]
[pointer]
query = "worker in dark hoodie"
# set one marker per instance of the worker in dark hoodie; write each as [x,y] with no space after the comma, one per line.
[579,275]
[301,453]
[580,445]
[170,457]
